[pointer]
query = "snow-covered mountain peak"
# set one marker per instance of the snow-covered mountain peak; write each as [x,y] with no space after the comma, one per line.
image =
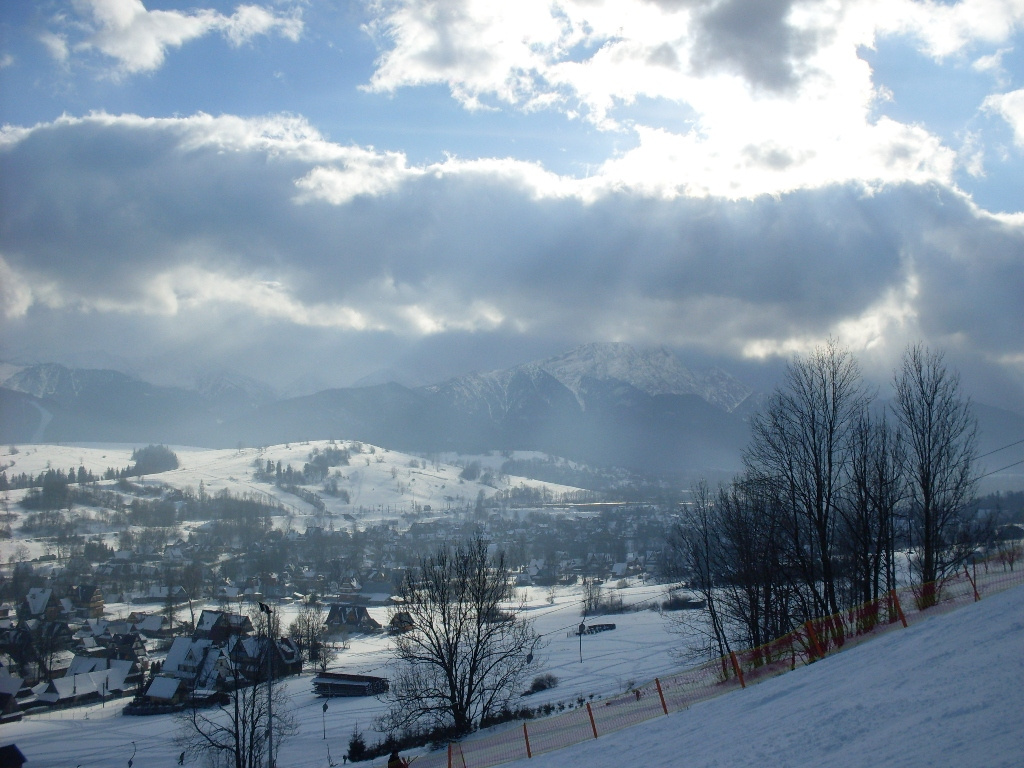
[215,385]
[655,371]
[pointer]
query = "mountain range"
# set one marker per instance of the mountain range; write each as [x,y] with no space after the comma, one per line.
[605,404]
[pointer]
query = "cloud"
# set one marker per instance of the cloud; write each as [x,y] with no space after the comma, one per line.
[766,96]
[948,28]
[1010,106]
[222,237]
[56,45]
[138,39]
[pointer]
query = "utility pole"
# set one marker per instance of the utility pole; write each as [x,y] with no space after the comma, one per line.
[264,608]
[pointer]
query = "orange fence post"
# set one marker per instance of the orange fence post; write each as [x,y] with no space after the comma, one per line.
[593,724]
[813,636]
[736,668]
[899,608]
[661,695]
[526,735]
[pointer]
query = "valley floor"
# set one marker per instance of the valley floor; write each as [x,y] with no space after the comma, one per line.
[945,692]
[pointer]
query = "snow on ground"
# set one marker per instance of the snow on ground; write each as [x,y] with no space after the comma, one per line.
[381,484]
[637,650]
[945,692]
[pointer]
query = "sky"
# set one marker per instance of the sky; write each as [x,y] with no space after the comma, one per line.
[309,193]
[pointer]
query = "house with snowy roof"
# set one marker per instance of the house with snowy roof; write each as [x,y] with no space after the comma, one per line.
[88,686]
[199,663]
[218,626]
[345,617]
[40,603]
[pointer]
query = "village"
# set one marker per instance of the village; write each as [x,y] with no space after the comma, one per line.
[179,624]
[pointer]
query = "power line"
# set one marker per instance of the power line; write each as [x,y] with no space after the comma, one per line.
[994,471]
[1003,448]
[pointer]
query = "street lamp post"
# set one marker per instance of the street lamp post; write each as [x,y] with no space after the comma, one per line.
[264,608]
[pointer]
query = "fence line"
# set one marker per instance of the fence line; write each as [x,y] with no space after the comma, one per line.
[806,644]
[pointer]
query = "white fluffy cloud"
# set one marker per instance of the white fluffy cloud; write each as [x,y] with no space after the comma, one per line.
[779,96]
[1011,107]
[138,38]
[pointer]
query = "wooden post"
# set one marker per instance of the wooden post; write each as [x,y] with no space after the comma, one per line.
[449,754]
[974,584]
[899,608]
[661,695]
[593,724]
[736,668]
[526,737]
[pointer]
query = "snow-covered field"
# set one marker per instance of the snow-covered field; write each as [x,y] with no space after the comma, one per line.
[945,692]
[637,650]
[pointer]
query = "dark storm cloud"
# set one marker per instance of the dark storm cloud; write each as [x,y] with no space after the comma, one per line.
[752,38]
[95,210]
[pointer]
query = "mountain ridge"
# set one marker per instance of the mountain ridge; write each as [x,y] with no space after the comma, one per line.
[604,404]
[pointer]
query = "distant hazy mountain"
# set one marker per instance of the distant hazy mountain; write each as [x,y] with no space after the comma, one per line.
[602,403]
[607,404]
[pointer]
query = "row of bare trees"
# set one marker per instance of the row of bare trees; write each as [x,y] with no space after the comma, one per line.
[835,486]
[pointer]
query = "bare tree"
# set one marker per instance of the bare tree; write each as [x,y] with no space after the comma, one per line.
[798,450]
[170,604]
[237,731]
[695,555]
[467,653]
[308,630]
[759,589]
[870,506]
[592,596]
[940,432]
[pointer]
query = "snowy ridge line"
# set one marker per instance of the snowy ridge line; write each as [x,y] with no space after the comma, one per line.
[663,696]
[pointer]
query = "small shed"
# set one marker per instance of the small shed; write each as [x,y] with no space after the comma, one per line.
[342,684]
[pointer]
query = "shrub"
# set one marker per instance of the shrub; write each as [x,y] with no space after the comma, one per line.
[541,683]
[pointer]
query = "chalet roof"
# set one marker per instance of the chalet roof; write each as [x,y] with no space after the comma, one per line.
[84,664]
[351,615]
[10,683]
[36,599]
[154,622]
[163,688]
[71,686]
[184,650]
[208,620]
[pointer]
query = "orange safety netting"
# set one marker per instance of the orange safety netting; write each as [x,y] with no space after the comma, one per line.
[804,645]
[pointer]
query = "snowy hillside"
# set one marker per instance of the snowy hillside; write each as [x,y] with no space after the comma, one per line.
[377,484]
[945,692]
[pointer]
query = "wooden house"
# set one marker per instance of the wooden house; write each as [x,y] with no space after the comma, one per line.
[345,617]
